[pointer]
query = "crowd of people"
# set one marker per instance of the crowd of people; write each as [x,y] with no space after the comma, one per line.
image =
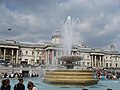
[17,75]
[103,74]
[19,86]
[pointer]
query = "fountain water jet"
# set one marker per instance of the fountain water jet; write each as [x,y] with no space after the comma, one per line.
[69,76]
[68,28]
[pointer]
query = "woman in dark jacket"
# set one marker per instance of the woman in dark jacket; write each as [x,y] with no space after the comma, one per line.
[19,85]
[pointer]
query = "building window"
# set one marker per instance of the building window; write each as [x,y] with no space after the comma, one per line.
[110,57]
[32,53]
[88,57]
[38,52]
[87,63]
[26,52]
[54,53]
[83,63]
[106,64]
[116,64]
[106,57]
[32,62]
[83,56]
[80,63]
[26,59]
[24,63]
[58,53]
[110,64]
[116,58]
[38,61]
[20,52]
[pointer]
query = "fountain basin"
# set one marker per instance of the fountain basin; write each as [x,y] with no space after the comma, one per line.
[70,58]
[70,77]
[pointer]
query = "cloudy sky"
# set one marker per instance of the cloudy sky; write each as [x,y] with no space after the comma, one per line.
[37,20]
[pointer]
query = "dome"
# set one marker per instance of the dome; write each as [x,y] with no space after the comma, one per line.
[56,35]
[56,38]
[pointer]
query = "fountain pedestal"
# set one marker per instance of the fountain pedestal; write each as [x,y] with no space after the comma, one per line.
[70,77]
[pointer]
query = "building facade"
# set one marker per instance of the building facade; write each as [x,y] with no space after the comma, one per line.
[48,53]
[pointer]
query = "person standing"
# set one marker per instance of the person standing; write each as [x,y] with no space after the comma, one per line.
[31,86]
[3,85]
[6,85]
[19,85]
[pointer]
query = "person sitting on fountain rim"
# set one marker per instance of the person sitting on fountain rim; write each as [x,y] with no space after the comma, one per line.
[31,86]
[19,85]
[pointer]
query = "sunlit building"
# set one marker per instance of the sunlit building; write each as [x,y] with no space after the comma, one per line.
[48,53]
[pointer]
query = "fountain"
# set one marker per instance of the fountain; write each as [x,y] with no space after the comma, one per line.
[69,76]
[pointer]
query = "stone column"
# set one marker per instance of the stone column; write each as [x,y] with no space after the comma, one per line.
[0,52]
[100,61]
[92,61]
[17,56]
[4,53]
[53,57]
[95,60]
[60,56]
[45,57]
[71,53]
[103,62]
[57,55]
[12,57]
[35,56]
[48,57]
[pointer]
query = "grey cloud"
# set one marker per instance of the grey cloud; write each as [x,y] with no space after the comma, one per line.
[35,20]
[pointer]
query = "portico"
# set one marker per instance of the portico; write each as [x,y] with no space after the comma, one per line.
[97,60]
[9,53]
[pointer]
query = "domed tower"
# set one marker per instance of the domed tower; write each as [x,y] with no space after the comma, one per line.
[112,47]
[56,38]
